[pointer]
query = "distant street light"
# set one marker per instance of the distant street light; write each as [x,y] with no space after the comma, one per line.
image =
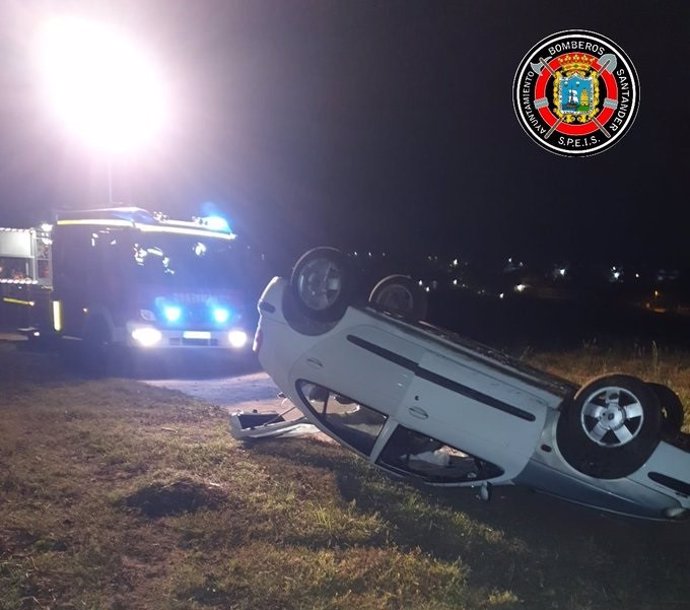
[104,88]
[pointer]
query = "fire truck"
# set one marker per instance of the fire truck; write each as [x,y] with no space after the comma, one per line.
[25,277]
[125,281]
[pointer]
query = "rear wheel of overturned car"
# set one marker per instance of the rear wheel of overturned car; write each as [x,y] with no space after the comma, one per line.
[399,295]
[671,407]
[611,427]
[322,283]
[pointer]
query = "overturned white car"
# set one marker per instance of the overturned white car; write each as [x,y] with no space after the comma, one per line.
[423,403]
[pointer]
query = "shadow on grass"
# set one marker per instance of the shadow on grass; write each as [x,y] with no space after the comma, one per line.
[538,546]
[183,496]
[190,363]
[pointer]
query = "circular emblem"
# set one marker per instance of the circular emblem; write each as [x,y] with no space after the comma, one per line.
[576,93]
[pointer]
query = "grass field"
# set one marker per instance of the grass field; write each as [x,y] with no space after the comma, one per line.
[116,495]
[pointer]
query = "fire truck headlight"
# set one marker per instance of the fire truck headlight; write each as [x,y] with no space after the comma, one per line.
[146,336]
[237,338]
[147,314]
[172,313]
[221,315]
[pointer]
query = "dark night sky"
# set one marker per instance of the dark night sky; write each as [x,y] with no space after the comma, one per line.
[383,124]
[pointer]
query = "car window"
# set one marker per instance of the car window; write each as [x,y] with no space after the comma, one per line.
[355,424]
[411,452]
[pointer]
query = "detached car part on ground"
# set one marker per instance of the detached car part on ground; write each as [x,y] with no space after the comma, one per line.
[423,403]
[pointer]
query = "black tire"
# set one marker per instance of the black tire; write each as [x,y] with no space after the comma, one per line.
[96,350]
[399,295]
[322,283]
[611,427]
[671,407]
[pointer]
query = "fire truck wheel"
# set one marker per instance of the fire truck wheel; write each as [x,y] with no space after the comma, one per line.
[97,352]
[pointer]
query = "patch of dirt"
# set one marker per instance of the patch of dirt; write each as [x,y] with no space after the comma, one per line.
[184,496]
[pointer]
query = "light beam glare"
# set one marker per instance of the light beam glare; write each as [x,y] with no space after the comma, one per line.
[101,85]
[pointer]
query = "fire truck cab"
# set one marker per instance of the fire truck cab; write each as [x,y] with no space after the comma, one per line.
[126,277]
[126,280]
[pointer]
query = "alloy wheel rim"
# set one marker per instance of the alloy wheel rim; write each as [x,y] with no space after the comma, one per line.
[320,284]
[612,416]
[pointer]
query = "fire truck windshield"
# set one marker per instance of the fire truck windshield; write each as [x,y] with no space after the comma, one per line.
[183,260]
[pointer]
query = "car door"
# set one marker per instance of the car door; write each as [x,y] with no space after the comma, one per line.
[352,423]
[338,362]
[408,452]
[474,407]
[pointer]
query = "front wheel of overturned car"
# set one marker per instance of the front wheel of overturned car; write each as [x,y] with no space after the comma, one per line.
[399,295]
[322,283]
[611,427]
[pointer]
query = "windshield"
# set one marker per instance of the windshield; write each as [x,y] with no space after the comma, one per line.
[183,260]
[355,424]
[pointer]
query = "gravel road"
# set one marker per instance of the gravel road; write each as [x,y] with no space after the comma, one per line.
[246,392]
[253,391]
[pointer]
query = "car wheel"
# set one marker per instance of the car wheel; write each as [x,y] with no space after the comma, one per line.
[611,427]
[399,295]
[323,284]
[671,407]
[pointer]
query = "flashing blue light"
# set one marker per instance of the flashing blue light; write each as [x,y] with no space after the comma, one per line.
[217,223]
[172,313]
[221,315]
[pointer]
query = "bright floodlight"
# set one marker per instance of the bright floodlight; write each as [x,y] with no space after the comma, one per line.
[103,87]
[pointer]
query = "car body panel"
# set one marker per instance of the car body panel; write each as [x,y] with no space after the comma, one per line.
[550,387]
[380,382]
[666,470]
[439,403]
[618,496]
